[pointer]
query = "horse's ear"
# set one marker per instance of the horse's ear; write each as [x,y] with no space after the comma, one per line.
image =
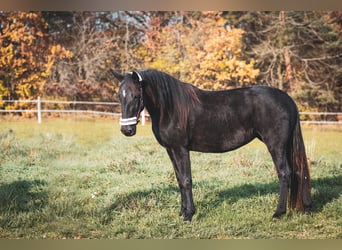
[117,75]
[136,76]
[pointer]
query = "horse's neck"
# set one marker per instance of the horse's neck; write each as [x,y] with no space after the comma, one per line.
[151,104]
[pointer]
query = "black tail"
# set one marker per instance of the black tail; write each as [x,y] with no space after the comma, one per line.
[300,189]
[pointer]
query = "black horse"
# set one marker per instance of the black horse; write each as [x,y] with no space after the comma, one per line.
[185,118]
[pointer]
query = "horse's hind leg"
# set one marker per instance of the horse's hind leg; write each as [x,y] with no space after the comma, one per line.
[283,170]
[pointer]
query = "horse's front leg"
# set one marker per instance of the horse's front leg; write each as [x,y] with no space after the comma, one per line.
[181,163]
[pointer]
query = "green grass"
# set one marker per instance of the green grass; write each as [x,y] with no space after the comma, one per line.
[68,178]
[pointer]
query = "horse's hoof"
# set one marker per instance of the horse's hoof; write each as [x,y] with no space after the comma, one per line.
[186,214]
[188,217]
[307,211]
[276,216]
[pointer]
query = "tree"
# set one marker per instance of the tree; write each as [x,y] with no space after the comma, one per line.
[198,50]
[67,54]
[26,56]
[299,52]
[98,41]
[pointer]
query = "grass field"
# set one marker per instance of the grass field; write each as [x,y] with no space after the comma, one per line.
[80,178]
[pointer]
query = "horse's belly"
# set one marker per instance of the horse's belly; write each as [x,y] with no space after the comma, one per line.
[220,142]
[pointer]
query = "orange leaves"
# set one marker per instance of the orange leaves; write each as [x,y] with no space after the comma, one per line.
[26,56]
[60,52]
[18,55]
[219,60]
[56,52]
[201,51]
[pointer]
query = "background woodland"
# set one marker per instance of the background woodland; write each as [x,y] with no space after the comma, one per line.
[67,55]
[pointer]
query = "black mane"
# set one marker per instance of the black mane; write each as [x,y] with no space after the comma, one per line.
[175,97]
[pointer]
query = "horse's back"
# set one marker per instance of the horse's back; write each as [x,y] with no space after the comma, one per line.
[248,102]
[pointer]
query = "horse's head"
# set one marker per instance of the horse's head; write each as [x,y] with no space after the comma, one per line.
[131,99]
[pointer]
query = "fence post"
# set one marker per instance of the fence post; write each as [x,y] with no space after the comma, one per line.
[39,110]
[143,117]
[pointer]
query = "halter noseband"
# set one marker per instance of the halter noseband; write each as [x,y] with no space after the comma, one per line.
[135,120]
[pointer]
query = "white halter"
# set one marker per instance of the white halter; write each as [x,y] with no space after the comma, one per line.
[128,121]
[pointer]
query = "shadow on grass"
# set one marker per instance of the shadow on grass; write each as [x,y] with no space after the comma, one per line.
[22,196]
[326,190]
[134,199]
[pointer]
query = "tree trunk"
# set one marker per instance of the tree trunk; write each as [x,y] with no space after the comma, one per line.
[287,57]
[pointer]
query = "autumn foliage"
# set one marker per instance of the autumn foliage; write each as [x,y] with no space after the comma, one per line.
[26,55]
[67,55]
[203,52]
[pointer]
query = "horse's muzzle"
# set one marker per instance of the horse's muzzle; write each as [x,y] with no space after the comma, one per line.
[129,130]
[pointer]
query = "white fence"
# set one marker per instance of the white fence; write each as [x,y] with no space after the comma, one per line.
[40,109]
[325,114]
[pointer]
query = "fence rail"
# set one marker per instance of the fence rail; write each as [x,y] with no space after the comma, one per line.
[39,110]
